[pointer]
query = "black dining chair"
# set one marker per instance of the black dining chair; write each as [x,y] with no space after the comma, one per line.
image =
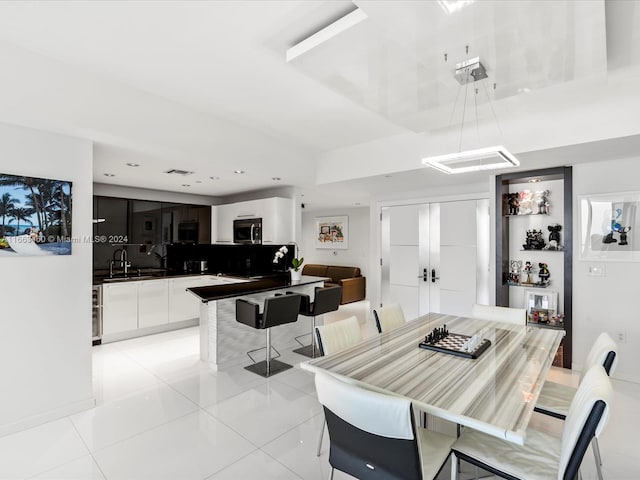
[278,310]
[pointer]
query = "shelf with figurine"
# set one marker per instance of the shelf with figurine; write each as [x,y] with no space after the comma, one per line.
[520,275]
[519,204]
[534,239]
[543,319]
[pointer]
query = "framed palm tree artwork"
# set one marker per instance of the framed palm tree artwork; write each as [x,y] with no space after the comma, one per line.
[35,216]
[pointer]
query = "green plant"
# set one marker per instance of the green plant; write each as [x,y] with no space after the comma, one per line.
[296,263]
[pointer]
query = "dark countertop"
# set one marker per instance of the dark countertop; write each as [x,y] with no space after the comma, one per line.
[254,285]
[102,277]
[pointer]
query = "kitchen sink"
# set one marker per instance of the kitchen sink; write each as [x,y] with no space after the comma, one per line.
[129,279]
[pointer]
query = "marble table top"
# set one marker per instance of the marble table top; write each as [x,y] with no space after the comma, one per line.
[494,393]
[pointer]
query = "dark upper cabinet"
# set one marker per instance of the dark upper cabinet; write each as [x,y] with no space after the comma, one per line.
[143,222]
[186,224]
[111,217]
[146,222]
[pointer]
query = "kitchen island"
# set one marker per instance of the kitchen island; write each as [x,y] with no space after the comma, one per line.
[223,341]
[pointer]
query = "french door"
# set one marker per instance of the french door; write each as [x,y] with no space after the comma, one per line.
[435,256]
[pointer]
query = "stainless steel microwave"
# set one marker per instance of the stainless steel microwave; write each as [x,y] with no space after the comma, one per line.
[247,231]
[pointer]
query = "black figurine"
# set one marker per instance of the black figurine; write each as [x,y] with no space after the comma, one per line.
[543,273]
[514,203]
[554,236]
[534,240]
[623,235]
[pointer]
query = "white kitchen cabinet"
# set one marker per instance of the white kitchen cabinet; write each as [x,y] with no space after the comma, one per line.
[225,215]
[120,307]
[249,209]
[184,305]
[276,213]
[152,303]
[277,220]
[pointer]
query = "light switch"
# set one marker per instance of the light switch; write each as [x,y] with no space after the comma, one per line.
[597,271]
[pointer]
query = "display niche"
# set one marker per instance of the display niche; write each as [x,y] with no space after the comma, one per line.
[534,249]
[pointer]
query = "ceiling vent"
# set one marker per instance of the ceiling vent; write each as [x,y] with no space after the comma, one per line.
[175,171]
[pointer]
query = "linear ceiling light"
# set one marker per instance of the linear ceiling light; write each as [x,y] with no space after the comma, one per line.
[327,33]
[473,160]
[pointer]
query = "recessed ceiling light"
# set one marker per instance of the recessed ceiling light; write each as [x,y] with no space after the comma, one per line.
[186,185]
[239,172]
[388,176]
[109,175]
[214,178]
[276,179]
[534,180]
[198,181]
[129,164]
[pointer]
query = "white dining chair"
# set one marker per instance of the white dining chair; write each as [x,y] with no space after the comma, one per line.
[332,338]
[515,316]
[373,435]
[555,398]
[388,317]
[543,456]
[338,335]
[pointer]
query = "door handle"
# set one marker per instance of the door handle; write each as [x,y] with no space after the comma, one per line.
[433,276]
[425,275]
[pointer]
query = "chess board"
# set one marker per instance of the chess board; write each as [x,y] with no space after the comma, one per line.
[452,345]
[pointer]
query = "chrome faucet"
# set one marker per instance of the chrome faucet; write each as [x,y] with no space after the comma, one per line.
[123,262]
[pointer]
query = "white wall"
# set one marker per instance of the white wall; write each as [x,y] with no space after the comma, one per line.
[45,302]
[357,255]
[608,303]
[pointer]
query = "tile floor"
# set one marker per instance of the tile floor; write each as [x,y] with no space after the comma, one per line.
[161,414]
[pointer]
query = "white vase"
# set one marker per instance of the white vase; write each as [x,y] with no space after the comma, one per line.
[296,276]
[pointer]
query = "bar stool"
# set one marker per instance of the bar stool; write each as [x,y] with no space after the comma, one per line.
[327,299]
[278,310]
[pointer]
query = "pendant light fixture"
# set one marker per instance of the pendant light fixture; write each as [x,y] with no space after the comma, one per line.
[488,158]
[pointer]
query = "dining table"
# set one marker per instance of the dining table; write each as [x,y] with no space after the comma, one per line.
[494,393]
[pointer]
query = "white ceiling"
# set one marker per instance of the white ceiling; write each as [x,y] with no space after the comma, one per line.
[204,86]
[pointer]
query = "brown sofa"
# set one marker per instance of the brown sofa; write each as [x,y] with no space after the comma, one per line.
[349,278]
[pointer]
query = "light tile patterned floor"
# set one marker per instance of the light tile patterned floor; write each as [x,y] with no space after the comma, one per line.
[162,414]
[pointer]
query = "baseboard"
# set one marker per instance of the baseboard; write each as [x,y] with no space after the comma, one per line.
[45,417]
[143,332]
[625,377]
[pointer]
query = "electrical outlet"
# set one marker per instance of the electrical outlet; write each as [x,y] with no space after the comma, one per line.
[622,337]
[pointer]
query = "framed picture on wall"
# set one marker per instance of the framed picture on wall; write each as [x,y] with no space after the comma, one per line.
[332,232]
[610,227]
[35,216]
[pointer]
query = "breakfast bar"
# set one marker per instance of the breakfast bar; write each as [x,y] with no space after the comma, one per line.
[223,341]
